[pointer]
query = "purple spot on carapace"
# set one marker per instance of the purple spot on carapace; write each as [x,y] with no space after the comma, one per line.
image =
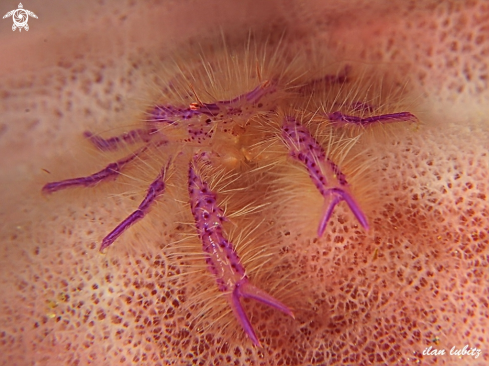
[173,114]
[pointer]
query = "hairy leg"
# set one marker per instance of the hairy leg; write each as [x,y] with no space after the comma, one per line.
[426,276]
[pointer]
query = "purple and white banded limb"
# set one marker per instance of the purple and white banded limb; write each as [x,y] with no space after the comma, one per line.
[339,118]
[221,258]
[156,189]
[114,142]
[110,171]
[325,174]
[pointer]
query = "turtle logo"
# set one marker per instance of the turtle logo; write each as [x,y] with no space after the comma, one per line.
[20,17]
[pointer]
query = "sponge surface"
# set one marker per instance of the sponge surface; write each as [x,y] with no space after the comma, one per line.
[418,278]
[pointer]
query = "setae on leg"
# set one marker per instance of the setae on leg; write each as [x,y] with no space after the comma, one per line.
[222,260]
[326,175]
[110,171]
[156,189]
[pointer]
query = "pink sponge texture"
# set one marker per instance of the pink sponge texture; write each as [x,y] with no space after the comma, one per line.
[418,278]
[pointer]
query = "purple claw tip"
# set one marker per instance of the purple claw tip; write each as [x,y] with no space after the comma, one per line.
[104,245]
[340,195]
[248,291]
[46,189]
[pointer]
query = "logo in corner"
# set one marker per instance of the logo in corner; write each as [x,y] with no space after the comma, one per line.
[20,17]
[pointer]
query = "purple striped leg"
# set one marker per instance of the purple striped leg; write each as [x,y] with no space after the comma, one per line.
[340,118]
[326,175]
[157,188]
[110,171]
[222,260]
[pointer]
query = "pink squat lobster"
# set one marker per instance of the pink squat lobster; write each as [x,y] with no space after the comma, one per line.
[201,121]
[222,260]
